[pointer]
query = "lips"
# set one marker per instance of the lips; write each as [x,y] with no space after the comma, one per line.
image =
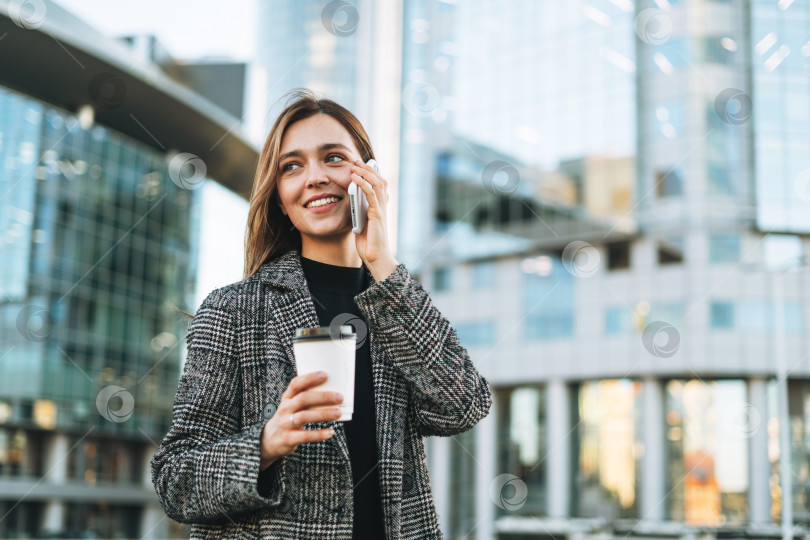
[319,197]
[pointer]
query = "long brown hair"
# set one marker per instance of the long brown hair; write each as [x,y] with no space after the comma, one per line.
[269,232]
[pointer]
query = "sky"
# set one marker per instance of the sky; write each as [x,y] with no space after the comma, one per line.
[192,30]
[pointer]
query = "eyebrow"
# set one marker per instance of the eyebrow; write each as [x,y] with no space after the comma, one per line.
[321,148]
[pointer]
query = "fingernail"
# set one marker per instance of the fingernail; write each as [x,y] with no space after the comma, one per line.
[338,396]
[322,375]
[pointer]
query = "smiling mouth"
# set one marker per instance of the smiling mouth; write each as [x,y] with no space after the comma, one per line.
[325,201]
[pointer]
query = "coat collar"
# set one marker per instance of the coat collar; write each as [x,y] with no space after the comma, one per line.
[285,271]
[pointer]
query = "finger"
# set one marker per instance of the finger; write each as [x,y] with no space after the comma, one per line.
[312,398]
[302,382]
[316,415]
[367,189]
[369,174]
[309,435]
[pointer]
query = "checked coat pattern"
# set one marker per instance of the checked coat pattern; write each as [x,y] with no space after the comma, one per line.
[240,361]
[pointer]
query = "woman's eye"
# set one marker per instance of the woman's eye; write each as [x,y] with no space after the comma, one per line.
[286,168]
[334,155]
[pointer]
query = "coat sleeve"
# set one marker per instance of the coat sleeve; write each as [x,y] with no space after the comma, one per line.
[206,469]
[450,396]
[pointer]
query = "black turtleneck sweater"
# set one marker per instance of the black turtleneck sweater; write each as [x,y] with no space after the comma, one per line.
[333,289]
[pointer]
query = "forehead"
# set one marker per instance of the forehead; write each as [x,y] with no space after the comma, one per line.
[309,133]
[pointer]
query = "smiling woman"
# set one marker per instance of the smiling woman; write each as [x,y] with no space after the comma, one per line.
[255,449]
[309,154]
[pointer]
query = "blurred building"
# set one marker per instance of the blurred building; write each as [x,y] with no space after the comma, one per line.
[102,156]
[610,200]
[347,51]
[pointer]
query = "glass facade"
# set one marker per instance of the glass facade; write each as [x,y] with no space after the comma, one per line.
[463,462]
[111,247]
[301,52]
[781,106]
[707,451]
[550,153]
[608,467]
[522,446]
[98,245]
[548,299]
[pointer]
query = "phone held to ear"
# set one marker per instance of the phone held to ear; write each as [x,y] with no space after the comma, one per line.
[359,203]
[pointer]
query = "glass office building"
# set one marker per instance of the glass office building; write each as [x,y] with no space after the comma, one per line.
[98,243]
[616,220]
[99,223]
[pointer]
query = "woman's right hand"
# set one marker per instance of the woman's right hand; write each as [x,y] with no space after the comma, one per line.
[279,436]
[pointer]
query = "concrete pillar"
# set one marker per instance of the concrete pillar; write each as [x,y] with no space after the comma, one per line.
[55,459]
[439,467]
[653,477]
[485,448]
[558,485]
[54,519]
[55,466]
[759,497]
[146,464]
[153,524]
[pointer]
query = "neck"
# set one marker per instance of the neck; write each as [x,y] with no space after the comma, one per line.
[343,253]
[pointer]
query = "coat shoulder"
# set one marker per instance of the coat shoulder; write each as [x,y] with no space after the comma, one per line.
[235,296]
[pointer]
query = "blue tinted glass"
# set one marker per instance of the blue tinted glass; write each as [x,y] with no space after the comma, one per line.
[724,248]
[721,314]
[549,300]
[618,320]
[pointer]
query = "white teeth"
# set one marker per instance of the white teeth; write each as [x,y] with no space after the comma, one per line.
[321,202]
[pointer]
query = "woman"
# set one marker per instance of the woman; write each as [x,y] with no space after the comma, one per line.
[247,456]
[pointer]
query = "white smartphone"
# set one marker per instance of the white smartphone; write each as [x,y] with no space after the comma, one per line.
[359,203]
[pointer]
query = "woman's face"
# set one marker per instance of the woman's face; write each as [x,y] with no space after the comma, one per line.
[316,158]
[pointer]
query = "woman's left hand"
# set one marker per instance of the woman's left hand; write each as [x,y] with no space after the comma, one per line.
[372,242]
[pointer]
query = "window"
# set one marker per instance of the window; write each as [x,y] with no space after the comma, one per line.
[721,314]
[606,479]
[483,274]
[707,447]
[670,251]
[618,255]
[669,183]
[441,279]
[548,300]
[522,444]
[618,320]
[473,334]
[724,248]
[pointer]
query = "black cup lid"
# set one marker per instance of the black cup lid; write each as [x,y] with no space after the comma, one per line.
[324,332]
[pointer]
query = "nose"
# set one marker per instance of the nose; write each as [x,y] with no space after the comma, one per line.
[317,175]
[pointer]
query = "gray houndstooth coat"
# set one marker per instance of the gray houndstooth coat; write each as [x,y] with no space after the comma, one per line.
[240,361]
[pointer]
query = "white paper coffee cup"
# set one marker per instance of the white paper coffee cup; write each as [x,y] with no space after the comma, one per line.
[331,350]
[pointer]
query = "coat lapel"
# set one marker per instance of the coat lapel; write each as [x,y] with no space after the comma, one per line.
[292,308]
